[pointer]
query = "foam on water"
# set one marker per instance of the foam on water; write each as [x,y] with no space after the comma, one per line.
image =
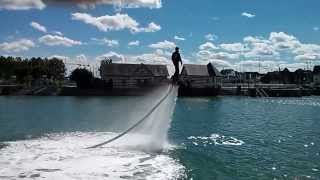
[63,156]
[216,139]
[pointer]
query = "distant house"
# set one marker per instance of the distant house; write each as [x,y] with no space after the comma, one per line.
[251,76]
[230,75]
[279,77]
[301,76]
[128,76]
[228,72]
[316,75]
[200,76]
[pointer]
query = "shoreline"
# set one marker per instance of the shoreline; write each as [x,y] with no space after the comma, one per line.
[271,90]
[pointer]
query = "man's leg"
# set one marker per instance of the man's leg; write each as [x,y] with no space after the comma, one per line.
[176,73]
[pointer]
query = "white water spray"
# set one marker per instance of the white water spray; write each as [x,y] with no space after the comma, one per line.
[150,132]
[155,128]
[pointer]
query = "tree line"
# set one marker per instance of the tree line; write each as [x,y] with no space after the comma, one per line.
[35,68]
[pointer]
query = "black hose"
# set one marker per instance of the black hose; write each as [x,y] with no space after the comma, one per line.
[137,124]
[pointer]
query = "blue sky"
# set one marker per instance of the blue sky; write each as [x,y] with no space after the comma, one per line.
[239,34]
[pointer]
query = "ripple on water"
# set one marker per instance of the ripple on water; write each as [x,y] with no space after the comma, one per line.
[299,102]
[216,139]
[63,156]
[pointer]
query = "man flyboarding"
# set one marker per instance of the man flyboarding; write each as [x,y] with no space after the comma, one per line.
[176,58]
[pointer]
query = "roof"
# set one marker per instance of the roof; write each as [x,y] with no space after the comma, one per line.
[195,70]
[200,70]
[134,69]
[158,70]
[213,70]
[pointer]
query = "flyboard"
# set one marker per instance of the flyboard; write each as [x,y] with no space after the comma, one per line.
[138,123]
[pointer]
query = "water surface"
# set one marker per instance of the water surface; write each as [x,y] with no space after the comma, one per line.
[211,138]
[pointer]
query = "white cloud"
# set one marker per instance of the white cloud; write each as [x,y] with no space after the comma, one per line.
[307,49]
[147,58]
[163,45]
[22,4]
[163,52]
[150,58]
[17,46]
[115,22]
[258,66]
[107,23]
[233,47]
[41,4]
[255,40]
[38,27]
[81,58]
[270,52]
[221,64]
[123,3]
[258,47]
[293,66]
[64,58]
[179,38]
[211,37]
[316,28]
[224,56]
[134,43]
[58,33]
[208,46]
[117,58]
[205,55]
[266,66]
[55,40]
[106,41]
[307,52]
[283,41]
[152,27]
[261,50]
[248,15]
[308,57]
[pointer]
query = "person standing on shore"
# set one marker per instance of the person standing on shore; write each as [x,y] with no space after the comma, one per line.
[176,58]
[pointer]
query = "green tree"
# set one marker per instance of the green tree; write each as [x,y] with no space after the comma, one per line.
[82,77]
[34,67]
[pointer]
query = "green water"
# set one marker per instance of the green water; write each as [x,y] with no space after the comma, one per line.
[215,138]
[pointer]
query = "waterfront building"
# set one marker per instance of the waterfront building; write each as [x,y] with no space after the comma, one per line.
[131,76]
[200,76]
[199,80]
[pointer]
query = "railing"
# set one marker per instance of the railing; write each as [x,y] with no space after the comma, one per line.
[265,94]
[258,85]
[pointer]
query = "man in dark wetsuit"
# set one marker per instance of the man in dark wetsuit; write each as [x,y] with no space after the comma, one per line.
[176,58]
